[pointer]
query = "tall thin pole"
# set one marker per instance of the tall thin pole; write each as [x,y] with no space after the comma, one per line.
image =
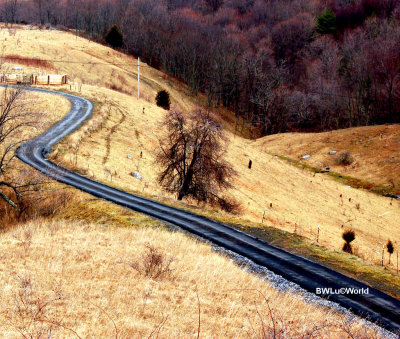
[138,78]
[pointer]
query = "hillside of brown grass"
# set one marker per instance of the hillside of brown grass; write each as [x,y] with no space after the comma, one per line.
[84,280]
[375,151]
[45,110]
[300,200]
[86,258]
[125,126]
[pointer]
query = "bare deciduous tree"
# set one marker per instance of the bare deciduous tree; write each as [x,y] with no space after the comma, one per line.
[10,9]
[15,118]
[191,157]
[267,94]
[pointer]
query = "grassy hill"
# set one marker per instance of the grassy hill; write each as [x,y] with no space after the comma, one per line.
[108,149]
[89,280]
[375,151]
[124,125]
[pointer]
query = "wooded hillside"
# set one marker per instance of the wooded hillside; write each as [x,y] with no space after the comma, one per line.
[282,65]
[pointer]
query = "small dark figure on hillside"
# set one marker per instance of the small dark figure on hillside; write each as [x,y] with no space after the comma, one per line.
[348,237]
[250,163]
[390,249]
[163,100]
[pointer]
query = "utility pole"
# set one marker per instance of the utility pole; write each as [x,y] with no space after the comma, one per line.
[138,78]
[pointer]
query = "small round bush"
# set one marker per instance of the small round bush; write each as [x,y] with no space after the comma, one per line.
[163,100]
[344,158]
[390,247]
[348,237]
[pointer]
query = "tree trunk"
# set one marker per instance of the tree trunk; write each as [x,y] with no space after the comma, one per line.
[188,178]
[185,186]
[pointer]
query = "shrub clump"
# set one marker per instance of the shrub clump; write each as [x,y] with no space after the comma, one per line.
[229,204]
[153,264]
[163,100]
[348,237]
[390,248]
[114,37]
[344,158]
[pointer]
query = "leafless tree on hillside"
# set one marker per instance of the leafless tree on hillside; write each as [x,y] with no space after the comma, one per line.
[267,94]
[10,9]
[15,119]
[191,157]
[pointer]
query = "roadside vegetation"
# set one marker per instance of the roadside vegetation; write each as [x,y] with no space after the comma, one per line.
[191,158]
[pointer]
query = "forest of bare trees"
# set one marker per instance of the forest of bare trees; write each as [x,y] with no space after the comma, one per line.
[273,62]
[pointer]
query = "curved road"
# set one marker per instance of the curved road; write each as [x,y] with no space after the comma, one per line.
[374,305]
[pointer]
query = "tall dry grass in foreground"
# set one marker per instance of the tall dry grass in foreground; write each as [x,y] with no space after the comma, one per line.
[79,280]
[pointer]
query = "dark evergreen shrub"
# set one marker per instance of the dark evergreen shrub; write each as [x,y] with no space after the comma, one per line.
[163,100]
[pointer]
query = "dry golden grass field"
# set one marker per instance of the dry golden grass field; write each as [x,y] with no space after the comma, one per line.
[125,125]
[90,281]
[78,268]
[300,200]
[375,151]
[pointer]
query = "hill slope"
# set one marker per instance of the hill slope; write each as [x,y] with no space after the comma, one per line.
[375,150]
[300,201]
[73,279]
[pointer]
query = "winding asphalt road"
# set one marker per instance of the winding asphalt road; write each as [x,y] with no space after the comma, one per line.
[374,305]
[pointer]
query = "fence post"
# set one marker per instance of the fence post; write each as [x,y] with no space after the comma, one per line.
[262,220]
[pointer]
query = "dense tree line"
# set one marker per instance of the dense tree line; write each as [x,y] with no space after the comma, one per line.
[280,64]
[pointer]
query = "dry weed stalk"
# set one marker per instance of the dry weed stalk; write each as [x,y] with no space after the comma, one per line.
[35,315]
[153,264]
